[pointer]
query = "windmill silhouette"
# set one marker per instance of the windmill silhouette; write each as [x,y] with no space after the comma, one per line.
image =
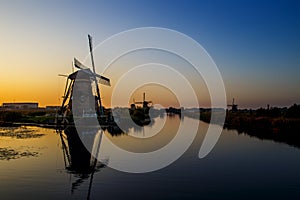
[234,107]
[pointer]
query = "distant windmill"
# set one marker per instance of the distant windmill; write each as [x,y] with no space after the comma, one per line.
[234,107]
[144,102]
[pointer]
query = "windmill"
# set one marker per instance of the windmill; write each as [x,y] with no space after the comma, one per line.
[87,77]
[140,115]
[234,107]
[144,102]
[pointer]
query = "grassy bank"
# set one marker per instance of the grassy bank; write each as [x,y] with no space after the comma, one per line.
[278,124]
[11,117]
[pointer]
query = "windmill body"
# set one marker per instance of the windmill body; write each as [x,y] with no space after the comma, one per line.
[234,107]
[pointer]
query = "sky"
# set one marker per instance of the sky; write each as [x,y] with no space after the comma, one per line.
[255,45]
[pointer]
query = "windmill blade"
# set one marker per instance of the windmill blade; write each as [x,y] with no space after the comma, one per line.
[101,79]
[93,65]
[79,65]
[91,52]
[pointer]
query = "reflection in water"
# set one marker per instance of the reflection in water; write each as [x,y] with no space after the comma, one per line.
[78,159]
[126,125]
[239,167]
[81,147]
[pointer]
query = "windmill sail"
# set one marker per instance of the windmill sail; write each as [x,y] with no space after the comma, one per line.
[78,64]
[101,79]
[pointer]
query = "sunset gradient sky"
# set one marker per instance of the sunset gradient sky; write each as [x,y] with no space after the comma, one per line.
[255,44]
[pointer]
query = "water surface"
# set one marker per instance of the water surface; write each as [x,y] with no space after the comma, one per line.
[239,167]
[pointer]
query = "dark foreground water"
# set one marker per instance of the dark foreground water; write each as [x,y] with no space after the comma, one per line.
[33,166]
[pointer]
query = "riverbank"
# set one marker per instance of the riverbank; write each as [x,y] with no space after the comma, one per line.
[277,124]
[27,117]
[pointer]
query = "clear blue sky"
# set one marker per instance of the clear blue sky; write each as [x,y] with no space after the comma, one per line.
[255,44]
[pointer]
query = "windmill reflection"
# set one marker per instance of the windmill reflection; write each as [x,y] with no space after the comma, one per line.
[80,152]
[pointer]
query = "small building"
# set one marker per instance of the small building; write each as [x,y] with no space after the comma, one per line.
[52,107]
[20,106]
